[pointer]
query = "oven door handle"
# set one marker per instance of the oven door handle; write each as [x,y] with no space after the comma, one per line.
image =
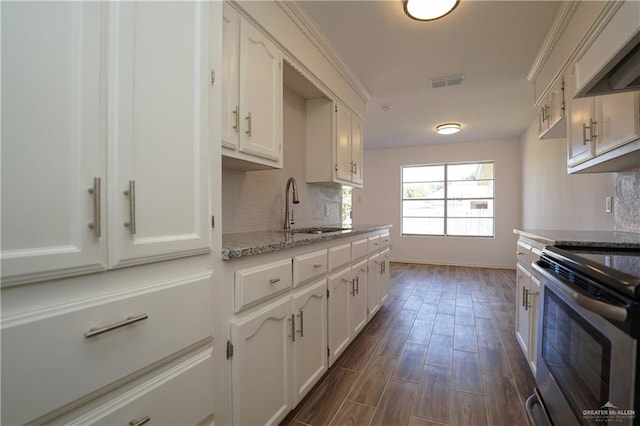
[606,310]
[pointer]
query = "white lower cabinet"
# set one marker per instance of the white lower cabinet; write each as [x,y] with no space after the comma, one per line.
[377,281]
[347,307]
[527,292]
[358,301]
[279,353]
[373,285]
[262,364]
[294,315]
[383,283]
[96,342]
[153,400]
[340,290]
[310,345]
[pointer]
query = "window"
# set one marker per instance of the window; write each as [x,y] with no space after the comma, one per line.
[448,200]
[347,210]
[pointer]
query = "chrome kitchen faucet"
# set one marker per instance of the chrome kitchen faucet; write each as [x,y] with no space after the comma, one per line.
[288,216]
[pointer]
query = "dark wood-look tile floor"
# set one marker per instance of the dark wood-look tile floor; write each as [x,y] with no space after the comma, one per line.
[441,351]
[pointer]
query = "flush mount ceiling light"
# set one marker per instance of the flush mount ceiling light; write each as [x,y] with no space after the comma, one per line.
[428,10]
[448,128]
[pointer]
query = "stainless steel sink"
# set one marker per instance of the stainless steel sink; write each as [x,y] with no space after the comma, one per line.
[319,230]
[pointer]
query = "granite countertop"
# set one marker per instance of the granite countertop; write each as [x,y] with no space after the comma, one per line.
[251,243]
[605,239]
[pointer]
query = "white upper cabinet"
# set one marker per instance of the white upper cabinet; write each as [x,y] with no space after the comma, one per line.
[551,113]
[334,143]
[251,97]
[344,163]
[349,146]
[158,131]
[357,150]
[53,139]
[105,130]
[230,77]
[620,121]
[580,127]
[603,132]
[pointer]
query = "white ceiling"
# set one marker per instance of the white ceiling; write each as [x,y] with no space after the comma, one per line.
[493,43]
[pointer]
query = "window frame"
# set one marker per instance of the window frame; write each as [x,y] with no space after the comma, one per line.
[446,199]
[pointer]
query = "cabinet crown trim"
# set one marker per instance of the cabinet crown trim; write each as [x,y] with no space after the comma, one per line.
[302,20]
[558,27]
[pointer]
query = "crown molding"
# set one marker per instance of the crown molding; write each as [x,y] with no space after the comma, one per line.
[303,21]
[559,25]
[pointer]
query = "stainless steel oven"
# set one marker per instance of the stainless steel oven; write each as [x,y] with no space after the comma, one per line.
[588,333]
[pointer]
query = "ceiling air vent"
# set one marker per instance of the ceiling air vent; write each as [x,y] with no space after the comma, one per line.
[450,80]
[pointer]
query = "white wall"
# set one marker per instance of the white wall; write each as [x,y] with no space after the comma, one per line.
[552,199]
[254,201]
[380,203]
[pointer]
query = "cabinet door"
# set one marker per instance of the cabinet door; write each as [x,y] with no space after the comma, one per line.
[340,288]
[260,366]
[158,131]
[543,122]
[343,166]
[53,118]
[522,311]
[358,300]
[618,121]
[373,285]
[383,284]
[556,104]
[230,77]
[310,347]
[260,95]
[581,131]
[357,136]
[534,293]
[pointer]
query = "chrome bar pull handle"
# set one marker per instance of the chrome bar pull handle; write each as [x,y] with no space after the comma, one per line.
[248,118]
[140,422]
[591,127]
[301,315]
[293,327]
[274,281]
[101,330]
[95,191]
[131,193]
[236,119]
[523,295]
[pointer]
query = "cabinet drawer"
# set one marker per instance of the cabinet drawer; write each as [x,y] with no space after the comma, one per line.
[358,249]
[308,266]
[385,241]
[50,362]
[373,244]
[262,282]
[526,254]
[339,256]
[181,395]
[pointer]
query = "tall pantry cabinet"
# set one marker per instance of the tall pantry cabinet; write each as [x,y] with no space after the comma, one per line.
[105,129]
[106,134]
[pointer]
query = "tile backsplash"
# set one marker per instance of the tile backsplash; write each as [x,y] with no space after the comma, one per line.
[254,200]
[626,207]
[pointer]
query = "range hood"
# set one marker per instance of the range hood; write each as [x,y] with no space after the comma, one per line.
[611,63]
[621,74]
